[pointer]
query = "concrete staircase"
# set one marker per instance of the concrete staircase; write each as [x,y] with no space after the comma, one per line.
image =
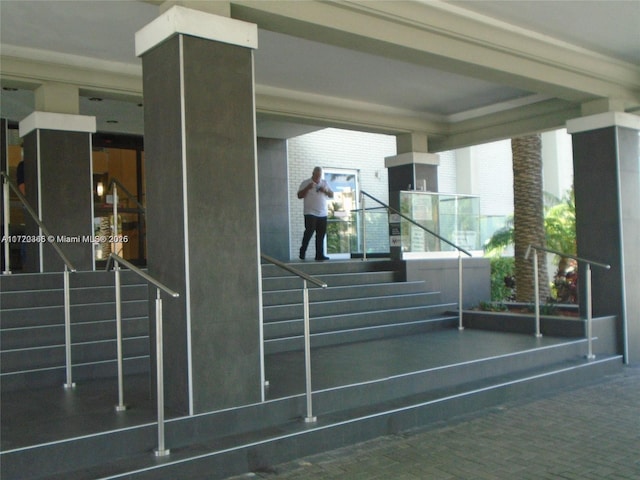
[363,301]
[32,337]
[386,357]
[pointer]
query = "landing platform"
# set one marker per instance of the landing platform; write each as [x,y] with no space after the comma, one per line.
[35,417]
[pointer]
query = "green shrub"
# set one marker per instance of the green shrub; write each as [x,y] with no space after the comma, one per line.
[502,280]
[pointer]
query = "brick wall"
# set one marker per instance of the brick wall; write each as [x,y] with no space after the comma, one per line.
[336,149]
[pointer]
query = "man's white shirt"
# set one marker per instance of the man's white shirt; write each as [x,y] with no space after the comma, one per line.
[315,201]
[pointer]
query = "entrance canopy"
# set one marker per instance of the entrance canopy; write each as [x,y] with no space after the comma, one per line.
[463,72]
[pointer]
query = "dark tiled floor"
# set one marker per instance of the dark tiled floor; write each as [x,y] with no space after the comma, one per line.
[41,416]
[588,433]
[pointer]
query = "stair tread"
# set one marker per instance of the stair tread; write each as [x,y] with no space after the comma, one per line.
[146,461]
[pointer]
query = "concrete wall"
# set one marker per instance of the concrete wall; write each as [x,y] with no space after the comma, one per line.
[441,275]
[274,197]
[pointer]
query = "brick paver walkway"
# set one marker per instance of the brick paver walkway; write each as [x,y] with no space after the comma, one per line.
[590,433]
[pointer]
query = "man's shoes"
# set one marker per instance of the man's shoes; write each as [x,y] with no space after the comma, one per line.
[321,259]
[301,255]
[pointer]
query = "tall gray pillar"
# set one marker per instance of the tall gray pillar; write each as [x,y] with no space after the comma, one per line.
[202,205]
[274,198]
[606,158]
[58,182]
[410,171]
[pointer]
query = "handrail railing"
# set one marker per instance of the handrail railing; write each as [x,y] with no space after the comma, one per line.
[412,221]
[117,183]
[113,185]
[7,184]
[460,250]
[307,331]
[117,260]
[588,262]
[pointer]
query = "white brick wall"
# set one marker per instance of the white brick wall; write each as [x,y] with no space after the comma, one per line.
[340,149]
[490,177]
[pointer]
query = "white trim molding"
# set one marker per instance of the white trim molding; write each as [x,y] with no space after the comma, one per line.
[603,120]
[57,121]
[181,20]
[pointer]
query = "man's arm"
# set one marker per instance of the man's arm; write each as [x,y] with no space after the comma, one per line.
[303,191]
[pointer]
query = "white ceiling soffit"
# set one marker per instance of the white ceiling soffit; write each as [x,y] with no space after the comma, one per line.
[461,71]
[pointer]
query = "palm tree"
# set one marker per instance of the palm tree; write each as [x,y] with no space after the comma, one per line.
[528,215]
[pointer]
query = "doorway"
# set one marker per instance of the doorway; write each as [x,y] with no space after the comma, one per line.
[119,158]
[342,220]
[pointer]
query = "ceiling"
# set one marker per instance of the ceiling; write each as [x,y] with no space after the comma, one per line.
[334,64]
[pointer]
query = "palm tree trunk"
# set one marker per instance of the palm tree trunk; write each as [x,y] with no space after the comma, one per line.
[528,216]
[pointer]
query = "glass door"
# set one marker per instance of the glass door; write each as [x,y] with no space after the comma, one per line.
[120,159]
[341,225]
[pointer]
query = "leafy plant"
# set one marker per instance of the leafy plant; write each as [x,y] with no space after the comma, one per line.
[560,235]
[502,281]
[492,307]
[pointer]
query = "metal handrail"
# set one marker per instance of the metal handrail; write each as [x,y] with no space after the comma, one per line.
[295,271]
[7,184]
[47,234]
[117,260]
[413,222]
[113,185]
[307,331]
[146,276]
[118,183]
[588,262]
[566,255]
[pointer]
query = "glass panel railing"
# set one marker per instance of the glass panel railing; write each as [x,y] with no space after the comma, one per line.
[455,218]
[377,233]
[340,231]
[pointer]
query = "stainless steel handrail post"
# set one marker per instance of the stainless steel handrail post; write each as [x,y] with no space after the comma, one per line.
[307,330]
[67,328]
[114,230]
[364,226]
[7,213]
[606,266]
[536,289]
[460,325]
[161,451]
[307,353]
[121,406]
[590,354]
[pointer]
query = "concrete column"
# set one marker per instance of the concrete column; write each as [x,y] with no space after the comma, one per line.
[274,198]
[606,158]
[57,97]
[58,182]
[413,168]
[4,167]
[202,205]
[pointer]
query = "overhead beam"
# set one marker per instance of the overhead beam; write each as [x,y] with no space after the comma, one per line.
[439,35]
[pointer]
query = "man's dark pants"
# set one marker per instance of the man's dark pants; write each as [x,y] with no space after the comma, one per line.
[317,225]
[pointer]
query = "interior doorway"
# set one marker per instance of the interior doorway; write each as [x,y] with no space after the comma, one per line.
[120,159]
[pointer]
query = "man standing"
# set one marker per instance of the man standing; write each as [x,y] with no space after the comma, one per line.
[315,192]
